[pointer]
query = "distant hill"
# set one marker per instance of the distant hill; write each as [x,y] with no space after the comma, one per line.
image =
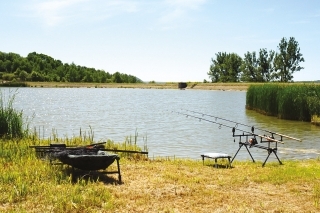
[41,67]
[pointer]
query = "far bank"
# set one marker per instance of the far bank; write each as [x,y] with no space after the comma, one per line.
[165,85]
[235,86]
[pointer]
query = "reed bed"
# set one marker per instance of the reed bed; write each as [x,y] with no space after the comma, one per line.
[11,120]
[286,101]
[29,184]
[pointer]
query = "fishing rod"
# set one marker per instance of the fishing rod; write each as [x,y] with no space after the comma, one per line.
[233,128]
[252,127]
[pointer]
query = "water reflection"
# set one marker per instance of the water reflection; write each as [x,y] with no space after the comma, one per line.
[309,134]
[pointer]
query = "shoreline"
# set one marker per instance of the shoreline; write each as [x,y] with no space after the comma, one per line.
[170,85]
[230,86]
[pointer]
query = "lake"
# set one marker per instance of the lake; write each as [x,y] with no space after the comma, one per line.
[116,114]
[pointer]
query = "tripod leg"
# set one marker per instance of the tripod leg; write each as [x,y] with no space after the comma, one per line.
[275,153]
[249,153]
[236,152]
[269,152]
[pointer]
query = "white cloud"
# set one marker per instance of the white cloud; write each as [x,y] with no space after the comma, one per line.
[55,12]
[177,10]
[172,15]
[188,4]
[52,13]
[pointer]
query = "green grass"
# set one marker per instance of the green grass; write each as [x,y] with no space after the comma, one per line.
[24,178]
[29,184]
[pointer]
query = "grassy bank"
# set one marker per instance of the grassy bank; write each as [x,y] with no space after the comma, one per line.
[29,184]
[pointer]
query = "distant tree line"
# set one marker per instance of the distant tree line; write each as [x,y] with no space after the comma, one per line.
[264,66]
[40,67]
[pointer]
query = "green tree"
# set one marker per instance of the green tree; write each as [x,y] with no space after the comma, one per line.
[2,66]
[258,68]
[225,68]
[41,67]
[250,68]
[233,65]
[217,67]
[7,66]
[116,78]
[266,64]
[8,76]
[35,76]
[287,60]
[23,75]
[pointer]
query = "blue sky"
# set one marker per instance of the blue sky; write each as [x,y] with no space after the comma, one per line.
[161,40]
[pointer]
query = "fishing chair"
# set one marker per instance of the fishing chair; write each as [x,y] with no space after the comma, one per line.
[251,141]
[85,158]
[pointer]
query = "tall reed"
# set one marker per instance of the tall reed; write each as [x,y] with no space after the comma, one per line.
[286,101]
[263,98]
[11,120]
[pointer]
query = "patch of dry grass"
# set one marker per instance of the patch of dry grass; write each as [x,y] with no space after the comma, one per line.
[29,184]
[188,186]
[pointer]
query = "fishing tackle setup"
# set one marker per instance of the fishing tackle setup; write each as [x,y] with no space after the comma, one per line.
[248,138]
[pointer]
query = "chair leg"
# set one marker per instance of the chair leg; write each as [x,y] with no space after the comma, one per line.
[119,173]
[229,162]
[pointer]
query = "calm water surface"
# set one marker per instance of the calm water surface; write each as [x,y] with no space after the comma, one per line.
[118,113]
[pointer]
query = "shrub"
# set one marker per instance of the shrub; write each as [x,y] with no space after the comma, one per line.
[8,76]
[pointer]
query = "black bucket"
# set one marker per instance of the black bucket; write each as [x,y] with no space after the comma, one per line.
[182,85]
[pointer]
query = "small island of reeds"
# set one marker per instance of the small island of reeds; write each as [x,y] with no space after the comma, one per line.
[286,101]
